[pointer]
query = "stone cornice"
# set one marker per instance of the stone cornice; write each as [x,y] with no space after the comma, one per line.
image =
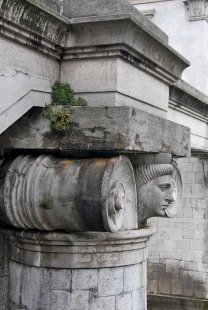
[185,98]
[122,51]
[197,9]
[35,25]
[101,31]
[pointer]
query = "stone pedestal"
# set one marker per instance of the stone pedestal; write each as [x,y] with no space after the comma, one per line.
[78,271]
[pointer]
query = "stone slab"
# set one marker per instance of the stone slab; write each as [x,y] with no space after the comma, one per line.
[102,130]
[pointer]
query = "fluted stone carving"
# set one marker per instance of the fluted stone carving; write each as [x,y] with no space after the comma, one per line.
[48,193]
[197,9]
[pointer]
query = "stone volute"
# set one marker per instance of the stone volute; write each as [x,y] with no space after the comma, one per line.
[49,193]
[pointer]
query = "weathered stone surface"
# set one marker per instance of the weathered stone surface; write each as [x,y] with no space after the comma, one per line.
[82,250]
[112,30]
[37,18]
[110,297]
[74,195]
[81,282]
[78,8]
[100,129]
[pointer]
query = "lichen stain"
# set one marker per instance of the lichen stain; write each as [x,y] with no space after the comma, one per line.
[138,142]
[46,203]
[66,164]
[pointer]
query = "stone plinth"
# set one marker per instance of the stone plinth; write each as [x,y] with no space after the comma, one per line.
[78,271]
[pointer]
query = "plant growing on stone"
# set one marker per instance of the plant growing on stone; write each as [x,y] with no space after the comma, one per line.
[63,94]
[60,118]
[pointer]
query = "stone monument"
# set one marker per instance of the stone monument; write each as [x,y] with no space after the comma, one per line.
[73,206]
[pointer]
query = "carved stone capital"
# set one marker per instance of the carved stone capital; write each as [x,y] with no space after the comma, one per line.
[197,9]
[49,193]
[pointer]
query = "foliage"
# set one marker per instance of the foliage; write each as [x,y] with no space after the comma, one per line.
[79,102]
[60,118]
[62,93]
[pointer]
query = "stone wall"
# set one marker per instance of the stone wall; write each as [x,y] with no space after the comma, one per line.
[3,273]
[120,288]
[179,250]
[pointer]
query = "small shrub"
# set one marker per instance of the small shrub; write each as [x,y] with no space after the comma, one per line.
[62,93]
[61,120]
[79,102]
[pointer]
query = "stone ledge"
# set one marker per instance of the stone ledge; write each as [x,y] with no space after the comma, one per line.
[78,250]
[98,8]
[164,302]
[101,31]
[189,97]
[45,26]
[108,130]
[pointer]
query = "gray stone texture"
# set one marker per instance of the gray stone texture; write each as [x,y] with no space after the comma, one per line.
[83,289]
[103,129]
[3,272]
[75,195]
[81,250]
[178,251]
[78,8]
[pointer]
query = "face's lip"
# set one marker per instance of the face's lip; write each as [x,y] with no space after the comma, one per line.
[163,207]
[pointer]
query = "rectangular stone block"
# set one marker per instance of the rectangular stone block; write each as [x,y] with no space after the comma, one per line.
[152,286]
[123,302]
[103,303]
[198,167]
[84,279]
[110,281]
[61,279]
[176,287]
[132,278]
[79,300]
[164,285]
[117,129]
[60,300]
[139,300]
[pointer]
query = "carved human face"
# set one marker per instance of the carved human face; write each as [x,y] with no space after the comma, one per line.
[156,197]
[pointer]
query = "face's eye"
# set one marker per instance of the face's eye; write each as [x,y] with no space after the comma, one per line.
[164,187]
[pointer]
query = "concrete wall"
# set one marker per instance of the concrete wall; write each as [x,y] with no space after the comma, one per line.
[31,72]
[178,253]
[3,273]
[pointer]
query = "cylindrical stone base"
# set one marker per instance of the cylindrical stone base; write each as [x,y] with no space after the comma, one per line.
[86,271]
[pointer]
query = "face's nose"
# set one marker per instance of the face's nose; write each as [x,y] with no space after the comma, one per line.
[169,197]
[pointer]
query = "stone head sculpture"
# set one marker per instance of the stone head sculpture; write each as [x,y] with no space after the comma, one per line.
[156,190]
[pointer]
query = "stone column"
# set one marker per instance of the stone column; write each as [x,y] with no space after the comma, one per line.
[78,271]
